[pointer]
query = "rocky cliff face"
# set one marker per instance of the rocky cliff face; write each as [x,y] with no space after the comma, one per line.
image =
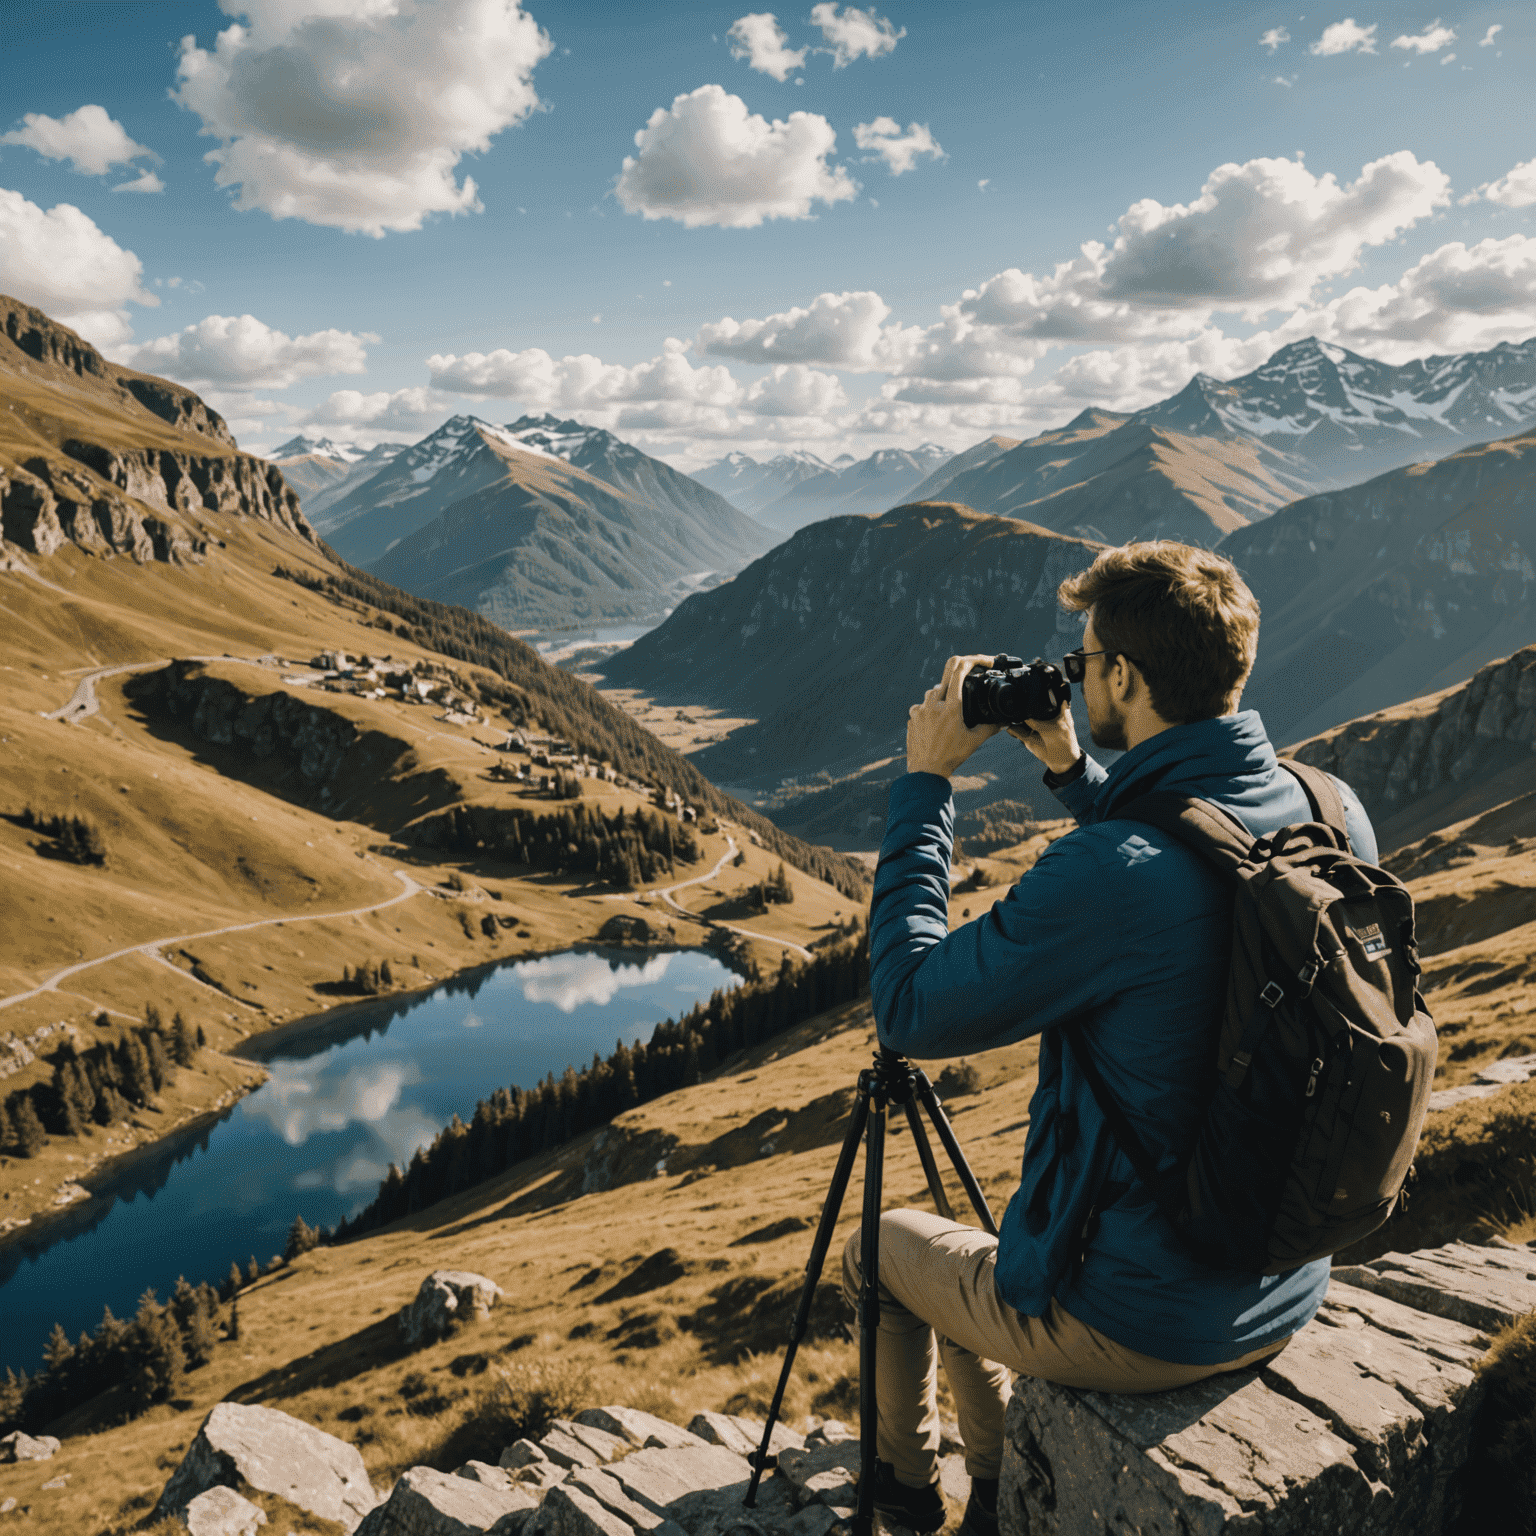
[117,462]
[1436,750]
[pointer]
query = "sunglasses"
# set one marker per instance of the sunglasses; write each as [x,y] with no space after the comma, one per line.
[1074,664]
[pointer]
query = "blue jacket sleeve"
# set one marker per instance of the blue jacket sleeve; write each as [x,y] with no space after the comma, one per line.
[1025,965]
[1079,795]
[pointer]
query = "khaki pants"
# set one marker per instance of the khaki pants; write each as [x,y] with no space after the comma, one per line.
[936,1276]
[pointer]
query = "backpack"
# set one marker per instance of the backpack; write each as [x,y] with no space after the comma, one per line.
[1326,1053]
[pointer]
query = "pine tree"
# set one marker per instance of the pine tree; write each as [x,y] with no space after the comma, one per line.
[202,1039]
[253,1270]
[387,974]
[133,1063]
[183,1045]
[7,1130]
[58,1351]
[198,1339]
[160,1067]
[233,1281]
[232,1328]
[27,1129]
[301,1237]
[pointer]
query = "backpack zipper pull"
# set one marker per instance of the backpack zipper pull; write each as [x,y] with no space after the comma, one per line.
[1317,1067]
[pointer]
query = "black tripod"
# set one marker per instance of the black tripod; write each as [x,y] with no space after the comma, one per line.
[892,1079]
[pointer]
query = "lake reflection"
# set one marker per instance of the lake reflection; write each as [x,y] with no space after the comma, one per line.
[344,1099]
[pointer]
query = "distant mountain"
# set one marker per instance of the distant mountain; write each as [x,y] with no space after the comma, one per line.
[938,482]
[830,637]
[540,524]
[883,480]
[750,485]
[1114,478]
[322,471]
[1346,416]
[1394,588]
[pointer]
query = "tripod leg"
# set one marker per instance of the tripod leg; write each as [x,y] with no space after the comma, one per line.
[951,1145]
[930,1167]
[869,1317]
[761,1460]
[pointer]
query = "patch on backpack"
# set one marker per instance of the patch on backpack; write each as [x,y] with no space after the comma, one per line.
[1371,939]
[1136,850]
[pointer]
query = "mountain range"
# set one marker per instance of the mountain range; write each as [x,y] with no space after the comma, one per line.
[807,489]
[540,524]
[322,470]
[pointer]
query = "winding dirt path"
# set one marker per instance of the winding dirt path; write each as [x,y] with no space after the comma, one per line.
[153,946]
[725,858]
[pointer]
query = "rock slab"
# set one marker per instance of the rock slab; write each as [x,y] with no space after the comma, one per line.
[1361,1424]
[742,1435]
[426,1502]
[275,1453]
[19,1447]
[223,1512]
[447,1297]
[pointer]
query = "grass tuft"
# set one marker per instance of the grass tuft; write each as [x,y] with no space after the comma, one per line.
[1500,1477]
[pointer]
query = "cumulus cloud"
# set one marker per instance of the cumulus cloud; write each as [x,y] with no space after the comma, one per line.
[1346,36]
[88,138]
[379,413]
[1273,38]
[1458,298]
[899,150]
[355,113]
[759,39]
[147,181]
[241,352]
[64,264]
[840,330]
[1516,190]
[1487,38]
[569,981]
[855,34]
[1432,39]
[583,382]
[707,160]
[792,389]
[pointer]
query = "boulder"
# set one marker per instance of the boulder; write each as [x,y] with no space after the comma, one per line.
[742,1435]
[19,1447]
[223,1512]
[426,1502]
[265,1449]
[601,1442]
[825,1473]
[447,1297]
[484,1472]
[609,1492]
[522,1453]
[638,1427]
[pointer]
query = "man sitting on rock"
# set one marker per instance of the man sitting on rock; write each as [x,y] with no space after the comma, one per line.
[1118,929]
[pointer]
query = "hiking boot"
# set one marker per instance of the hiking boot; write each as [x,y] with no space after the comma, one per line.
[919,1509]
[981,1511]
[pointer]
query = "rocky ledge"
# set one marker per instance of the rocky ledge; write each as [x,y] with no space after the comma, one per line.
[1362,1423]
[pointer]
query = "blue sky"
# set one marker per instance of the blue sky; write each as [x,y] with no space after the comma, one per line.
[892,243]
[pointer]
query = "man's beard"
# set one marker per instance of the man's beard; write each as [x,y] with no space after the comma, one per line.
[1108,731]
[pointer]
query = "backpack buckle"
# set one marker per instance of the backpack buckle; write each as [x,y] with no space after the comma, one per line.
[1272,995]
[1308,974]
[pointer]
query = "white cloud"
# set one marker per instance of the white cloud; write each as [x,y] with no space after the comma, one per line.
[568,981]
[792,389]
[898,150]
[1450,58]
[1346,36]
[583,382]
[840,330]
[855,34]
[87,137]
[759,39]
[380,414]
[1273,38]
[1490,34]
[146,181]
[64,264]
[1432,39]
[354,114]
[706,160]
[1458,298]
[1517,189]
[244,353]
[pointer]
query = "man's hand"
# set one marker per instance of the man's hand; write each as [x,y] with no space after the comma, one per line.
[937,739]
[1054,742]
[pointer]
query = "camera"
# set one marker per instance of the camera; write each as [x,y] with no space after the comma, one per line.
[1010,692]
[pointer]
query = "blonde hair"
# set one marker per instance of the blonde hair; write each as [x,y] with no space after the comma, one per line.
[1183,615]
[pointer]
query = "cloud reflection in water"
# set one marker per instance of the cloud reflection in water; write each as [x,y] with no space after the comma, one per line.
[568,981]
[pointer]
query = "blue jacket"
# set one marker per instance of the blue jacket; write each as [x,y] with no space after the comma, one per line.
[1122,927]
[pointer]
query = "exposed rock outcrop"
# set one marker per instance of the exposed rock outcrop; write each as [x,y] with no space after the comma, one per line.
[245,1446]
[1434,744]
[1362,1423]
[223,1512]
[17,1446]
[446,1299]
[429,1503]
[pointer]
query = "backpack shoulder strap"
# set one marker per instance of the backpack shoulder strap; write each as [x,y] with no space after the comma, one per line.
[1322,795]
[1205,827]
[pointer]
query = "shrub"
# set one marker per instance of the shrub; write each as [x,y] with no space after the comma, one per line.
[527,1397]
[26,1128]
